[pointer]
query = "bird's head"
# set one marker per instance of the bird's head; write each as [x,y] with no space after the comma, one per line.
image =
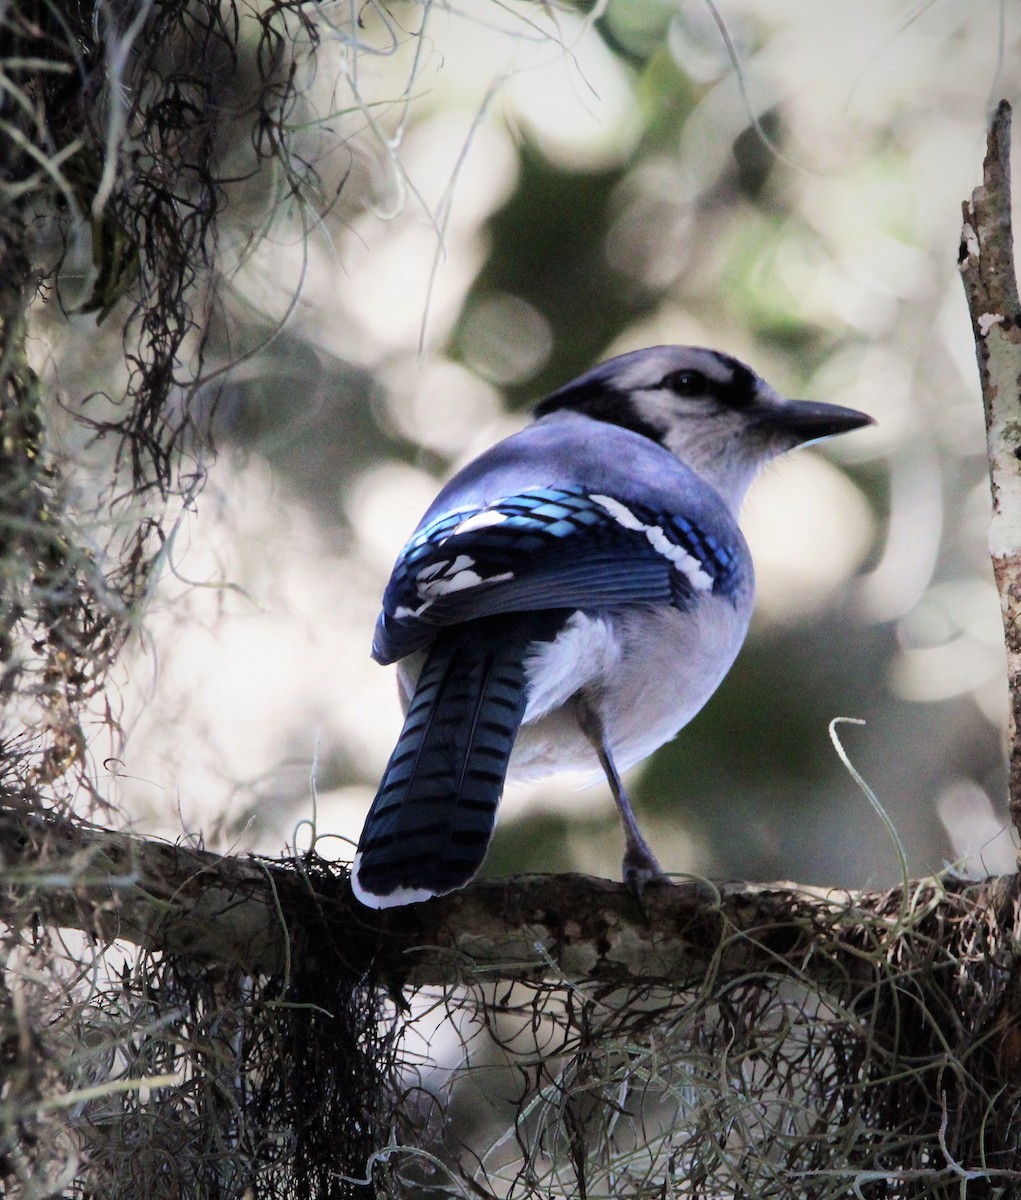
[710,410]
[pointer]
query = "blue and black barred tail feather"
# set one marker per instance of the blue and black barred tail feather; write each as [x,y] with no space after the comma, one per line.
[429,826]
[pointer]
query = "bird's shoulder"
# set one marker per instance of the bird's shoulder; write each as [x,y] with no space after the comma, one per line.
[572,450]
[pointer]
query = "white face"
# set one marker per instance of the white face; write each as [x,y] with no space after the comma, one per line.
[707,408]
[711,411]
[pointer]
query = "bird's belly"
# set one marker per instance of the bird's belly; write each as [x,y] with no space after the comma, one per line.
[647,672]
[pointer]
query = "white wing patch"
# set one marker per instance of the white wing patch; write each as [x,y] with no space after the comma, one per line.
[429,574]
[451,575]
[686,563]
[480,520]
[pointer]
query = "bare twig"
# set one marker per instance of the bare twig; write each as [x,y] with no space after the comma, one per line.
[990,283]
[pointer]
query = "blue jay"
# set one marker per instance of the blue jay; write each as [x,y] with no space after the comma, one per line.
[573,596]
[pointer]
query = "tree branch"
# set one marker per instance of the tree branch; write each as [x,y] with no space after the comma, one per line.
[990,284]
[259,917]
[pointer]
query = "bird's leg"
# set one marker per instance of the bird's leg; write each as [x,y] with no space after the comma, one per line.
[640,865]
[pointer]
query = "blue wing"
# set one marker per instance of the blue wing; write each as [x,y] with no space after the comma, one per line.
[546,548]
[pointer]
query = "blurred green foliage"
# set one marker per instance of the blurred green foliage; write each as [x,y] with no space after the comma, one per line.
[547,248]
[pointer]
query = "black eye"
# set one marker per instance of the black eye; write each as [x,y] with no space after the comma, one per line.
[687,383]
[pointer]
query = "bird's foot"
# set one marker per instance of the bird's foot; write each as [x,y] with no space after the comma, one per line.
[639,869]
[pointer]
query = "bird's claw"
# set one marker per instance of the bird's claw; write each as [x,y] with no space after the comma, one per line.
[639,870]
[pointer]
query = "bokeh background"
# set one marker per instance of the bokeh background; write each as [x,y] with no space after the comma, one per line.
[509,193]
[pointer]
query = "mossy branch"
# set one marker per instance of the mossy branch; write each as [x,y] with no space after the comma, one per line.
[259,916]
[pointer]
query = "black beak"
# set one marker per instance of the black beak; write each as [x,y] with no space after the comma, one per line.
[809,421]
